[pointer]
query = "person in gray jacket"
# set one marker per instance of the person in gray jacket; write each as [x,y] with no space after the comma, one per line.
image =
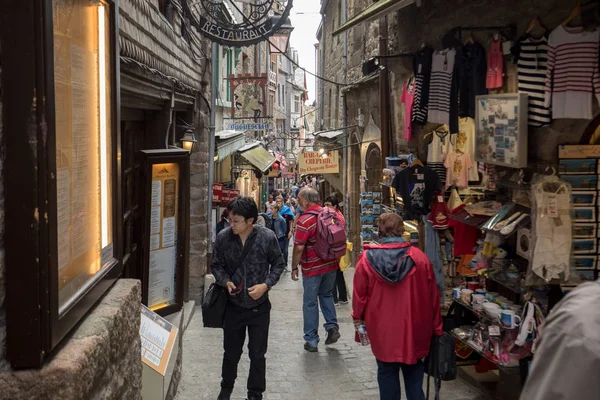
[566,365]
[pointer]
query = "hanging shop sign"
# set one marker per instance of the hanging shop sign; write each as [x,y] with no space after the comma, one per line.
[249,105]
[231,24]
[313,162]
[250,124]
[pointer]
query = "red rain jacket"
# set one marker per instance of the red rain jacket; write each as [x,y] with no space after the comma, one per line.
[395,293]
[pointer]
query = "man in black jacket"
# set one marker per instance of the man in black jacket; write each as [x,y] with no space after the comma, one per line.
[247,261]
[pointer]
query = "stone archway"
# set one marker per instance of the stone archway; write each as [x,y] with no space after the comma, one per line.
[373,168]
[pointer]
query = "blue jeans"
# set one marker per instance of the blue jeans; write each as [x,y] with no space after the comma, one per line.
[319,287]
[388,378]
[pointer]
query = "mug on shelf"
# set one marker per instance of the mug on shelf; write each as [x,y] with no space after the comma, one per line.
[478,298]
[465,295]
[509,319]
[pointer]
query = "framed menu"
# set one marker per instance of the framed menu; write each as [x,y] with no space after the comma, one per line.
[501,130]
[165,179]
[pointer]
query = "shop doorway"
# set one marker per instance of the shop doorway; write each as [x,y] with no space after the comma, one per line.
[373,167]
[132,142]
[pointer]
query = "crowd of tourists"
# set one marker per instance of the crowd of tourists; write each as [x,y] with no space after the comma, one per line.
[392,278]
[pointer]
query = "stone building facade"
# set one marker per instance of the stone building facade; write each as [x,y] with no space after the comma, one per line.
[164,80]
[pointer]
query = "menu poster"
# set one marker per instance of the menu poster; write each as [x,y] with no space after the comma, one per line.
[82,130]
[164,209]
[158,337]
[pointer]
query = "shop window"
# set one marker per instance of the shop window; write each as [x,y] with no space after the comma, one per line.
[166,9]
[70,181]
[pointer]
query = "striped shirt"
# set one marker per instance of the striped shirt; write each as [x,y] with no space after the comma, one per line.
[306,232]
[440,86]
[531,66]
[572,74]
[422,71]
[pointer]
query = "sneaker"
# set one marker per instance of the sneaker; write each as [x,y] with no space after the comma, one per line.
[224,395]
[343,301]
[310,348]
[333,336]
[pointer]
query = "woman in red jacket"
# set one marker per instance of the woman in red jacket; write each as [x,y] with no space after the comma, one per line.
[396,297]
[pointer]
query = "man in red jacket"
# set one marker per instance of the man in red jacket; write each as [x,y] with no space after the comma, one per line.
[396,296]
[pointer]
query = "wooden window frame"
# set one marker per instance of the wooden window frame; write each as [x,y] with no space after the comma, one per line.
[34,327]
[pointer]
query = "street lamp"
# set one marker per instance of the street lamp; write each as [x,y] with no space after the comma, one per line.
[280,40]
[188,140]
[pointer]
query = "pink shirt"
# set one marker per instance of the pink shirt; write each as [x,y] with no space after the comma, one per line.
[457,169]
[408,98]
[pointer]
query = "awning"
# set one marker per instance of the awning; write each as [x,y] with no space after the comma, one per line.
[257,156]
[328,134]
[228,142]
[374,11]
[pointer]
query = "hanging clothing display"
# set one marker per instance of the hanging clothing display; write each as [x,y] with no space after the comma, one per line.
[471,68]
[531,57]
[408,97]
[457,169]
[416,185]
[495,67]
[436,151]
[434,254]
[422,71]
[465,142]
[572,75]
[465,236]
[439,212]
[552,228]
[440,89]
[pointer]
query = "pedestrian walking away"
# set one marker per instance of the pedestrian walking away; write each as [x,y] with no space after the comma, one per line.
[279,226]
[247,261]
[340,290]
[288,215]
[318,276]
[397,300]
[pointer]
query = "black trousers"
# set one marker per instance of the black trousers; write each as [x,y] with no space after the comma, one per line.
[340,292]
[256,321]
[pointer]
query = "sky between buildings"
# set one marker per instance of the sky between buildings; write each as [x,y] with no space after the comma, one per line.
[305,18]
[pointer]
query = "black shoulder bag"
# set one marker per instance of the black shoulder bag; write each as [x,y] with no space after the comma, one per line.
[215,301]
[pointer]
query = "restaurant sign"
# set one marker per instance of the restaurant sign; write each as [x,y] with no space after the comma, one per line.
[233,24]
[313,162]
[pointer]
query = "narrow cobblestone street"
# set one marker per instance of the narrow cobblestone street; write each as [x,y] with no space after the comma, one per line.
[344,370]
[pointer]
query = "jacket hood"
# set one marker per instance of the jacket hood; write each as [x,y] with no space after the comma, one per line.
[391,261]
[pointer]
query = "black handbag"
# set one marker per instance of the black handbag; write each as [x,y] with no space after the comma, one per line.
[213,306]
[215,301]
[441,362]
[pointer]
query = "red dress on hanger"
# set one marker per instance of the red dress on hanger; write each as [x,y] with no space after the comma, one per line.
[495,65]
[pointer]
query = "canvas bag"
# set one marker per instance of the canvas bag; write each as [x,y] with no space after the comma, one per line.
[330,238]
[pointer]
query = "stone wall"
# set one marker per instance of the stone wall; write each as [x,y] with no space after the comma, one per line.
[412,26]
[99,360]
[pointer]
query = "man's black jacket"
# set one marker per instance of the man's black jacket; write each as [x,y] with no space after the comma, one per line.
[264,263]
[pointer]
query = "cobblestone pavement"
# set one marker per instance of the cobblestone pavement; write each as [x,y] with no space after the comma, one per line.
[345,370]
